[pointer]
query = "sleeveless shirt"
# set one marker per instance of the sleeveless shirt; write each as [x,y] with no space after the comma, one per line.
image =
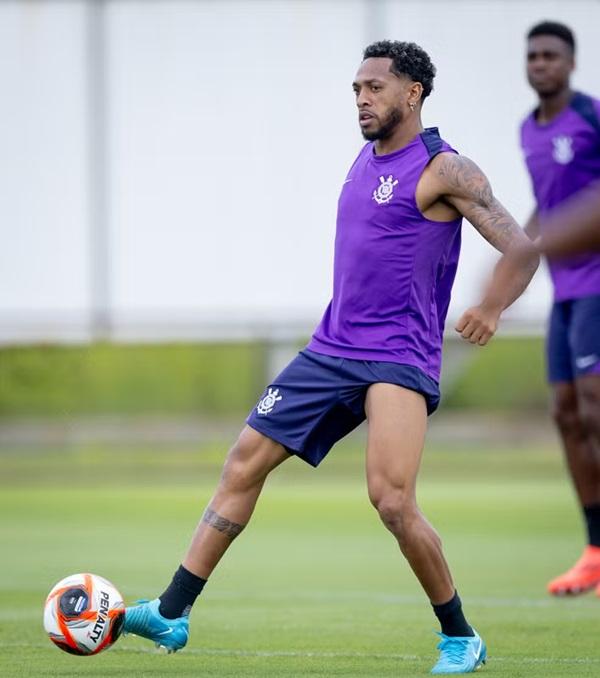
[393,268]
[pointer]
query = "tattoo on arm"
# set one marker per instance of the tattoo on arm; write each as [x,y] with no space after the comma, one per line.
[468,189]
[228,528]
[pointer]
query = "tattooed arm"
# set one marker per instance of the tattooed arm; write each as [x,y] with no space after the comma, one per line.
[464,186]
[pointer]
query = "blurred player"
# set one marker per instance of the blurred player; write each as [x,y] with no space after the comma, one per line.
[561,143]
[377,351]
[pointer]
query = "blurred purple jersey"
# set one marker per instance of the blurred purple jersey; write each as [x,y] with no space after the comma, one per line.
[393,268]
[563,157]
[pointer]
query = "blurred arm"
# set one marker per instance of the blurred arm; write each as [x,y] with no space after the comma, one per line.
[466,187]
[574,227]
[532,226]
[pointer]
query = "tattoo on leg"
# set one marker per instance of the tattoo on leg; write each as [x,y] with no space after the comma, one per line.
[225,526]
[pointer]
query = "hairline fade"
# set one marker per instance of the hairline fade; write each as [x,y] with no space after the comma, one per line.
[407,59]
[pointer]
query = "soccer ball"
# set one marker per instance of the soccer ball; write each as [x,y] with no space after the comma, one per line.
[84,614]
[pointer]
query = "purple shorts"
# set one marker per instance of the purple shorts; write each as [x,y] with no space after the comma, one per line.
[573,345]
[318,399]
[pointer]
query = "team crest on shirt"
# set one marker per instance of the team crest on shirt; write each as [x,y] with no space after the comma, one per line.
[268,402]
[563,149]
[385,191]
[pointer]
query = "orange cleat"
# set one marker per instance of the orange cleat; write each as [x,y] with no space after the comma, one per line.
[582,577]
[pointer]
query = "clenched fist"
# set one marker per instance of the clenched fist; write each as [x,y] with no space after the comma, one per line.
[478,324]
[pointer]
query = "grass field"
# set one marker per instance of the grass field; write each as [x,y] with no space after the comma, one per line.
[226,379]
[315,586]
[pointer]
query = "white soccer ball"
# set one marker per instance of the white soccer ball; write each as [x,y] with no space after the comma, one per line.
[84,614]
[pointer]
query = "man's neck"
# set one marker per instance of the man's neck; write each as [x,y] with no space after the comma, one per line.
[401,137]
[551,106]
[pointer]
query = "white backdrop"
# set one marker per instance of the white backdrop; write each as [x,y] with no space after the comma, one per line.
[230,126]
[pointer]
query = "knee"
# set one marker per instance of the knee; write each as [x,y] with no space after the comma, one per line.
[397,509]
[567,417]
[241,472]
[235,475]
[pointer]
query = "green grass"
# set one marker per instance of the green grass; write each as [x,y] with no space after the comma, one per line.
[63,381]
[184,379]
[315,586]
[515,368]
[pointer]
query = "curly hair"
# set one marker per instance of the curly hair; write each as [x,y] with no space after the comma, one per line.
[554,28]
[407,59]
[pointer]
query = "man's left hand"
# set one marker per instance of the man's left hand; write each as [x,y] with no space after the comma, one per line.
[478,325]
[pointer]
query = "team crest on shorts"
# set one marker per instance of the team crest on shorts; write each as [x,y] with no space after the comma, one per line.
[268,402]
[385,191]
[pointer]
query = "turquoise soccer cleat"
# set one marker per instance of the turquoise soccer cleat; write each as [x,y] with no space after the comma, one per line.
[460,654]
[146,621]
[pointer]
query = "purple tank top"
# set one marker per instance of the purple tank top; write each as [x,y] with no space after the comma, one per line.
[563,157]
[393,268]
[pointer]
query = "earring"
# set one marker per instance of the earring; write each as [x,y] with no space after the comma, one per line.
[412,106]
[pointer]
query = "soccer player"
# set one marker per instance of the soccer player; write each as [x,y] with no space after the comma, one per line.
[561,143]
[376,353]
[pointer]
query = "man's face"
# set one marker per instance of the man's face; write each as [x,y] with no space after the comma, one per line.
[381,97]
[550,63]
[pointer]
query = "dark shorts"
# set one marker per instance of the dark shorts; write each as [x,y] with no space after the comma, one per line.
[573,345]
[318,399]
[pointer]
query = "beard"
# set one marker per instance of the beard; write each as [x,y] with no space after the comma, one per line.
[387,127]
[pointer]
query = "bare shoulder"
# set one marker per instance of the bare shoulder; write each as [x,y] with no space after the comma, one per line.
[466,187]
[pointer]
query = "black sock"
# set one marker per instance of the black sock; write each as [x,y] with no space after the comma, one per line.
[181,594]
[592,518]
[452,618]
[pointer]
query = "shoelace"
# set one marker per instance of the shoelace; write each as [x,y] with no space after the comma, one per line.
[454,649]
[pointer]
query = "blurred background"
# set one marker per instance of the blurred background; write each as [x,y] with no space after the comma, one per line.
[169,189]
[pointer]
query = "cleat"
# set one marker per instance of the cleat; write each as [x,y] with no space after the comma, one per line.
[460,654]
[146,621]
[582,577]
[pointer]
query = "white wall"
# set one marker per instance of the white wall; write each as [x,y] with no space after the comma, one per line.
[231,131]
[43,188]
[230,127]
